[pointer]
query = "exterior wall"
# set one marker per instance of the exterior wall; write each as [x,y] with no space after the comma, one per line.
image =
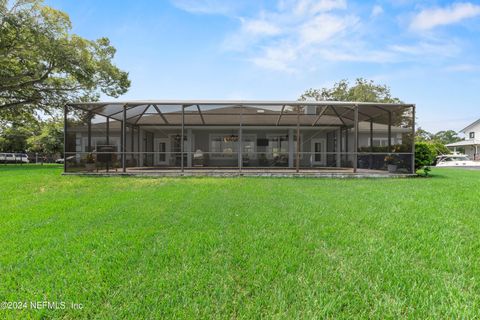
[200,140]
[335,152]
[470,151]
[473,128]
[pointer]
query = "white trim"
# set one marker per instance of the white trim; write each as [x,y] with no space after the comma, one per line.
[323,152]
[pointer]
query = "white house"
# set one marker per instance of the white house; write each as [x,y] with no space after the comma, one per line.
[471,142]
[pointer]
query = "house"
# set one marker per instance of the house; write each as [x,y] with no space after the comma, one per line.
[238,137]
[471,142]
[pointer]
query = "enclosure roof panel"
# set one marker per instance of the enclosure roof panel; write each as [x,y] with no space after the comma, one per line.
[217,112]
[238,103]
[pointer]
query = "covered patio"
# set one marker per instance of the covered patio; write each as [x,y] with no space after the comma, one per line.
[239,137]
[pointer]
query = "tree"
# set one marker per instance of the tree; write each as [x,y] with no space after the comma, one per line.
[43,65]
[14,138]
[50,138]
[422,135]
[438,140]
[363,91]
[446,137]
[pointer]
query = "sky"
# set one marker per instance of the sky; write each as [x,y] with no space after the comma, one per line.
[427,52]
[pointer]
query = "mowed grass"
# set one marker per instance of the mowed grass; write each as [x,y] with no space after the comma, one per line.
[243,248]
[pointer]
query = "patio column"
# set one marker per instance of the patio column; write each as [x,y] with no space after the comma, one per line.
[413,139]
[389,131]
[298,140]
[339,145]
[65,116]
[124,139]
[240,142]
[108,138]
[370,165]
[132,138]
[189,148]
[139,148]
[89,132]
[355,140]
[291,152]
[182,146]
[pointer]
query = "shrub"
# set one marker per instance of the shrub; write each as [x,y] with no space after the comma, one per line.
[424,155]
[438,148]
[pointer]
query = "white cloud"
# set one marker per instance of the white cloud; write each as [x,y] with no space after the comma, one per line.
[446,48]
[463,68]
[260,27]
[306,34]
[433,17]
[313,7]
[277,58]
[324,27]
[377,10]
[282,39]
[205,6]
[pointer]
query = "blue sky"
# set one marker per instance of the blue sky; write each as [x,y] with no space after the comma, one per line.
[428,52]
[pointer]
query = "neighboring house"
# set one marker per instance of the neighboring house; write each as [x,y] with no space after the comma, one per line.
[241,135]
[471,142]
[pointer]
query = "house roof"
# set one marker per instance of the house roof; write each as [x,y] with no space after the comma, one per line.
[470,125]
[464,143]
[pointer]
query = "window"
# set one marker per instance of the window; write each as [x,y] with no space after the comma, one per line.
[222,146]
[100,141]
[472,135]
[249,145]
[380,142]
[277,145]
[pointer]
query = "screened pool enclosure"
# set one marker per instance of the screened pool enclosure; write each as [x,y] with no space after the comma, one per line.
[239,137]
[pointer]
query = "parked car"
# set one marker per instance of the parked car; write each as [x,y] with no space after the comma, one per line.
[11,157]
[62,160]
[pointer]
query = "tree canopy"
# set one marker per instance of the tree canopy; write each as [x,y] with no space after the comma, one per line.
[43,65]
[363,91]
[442,137]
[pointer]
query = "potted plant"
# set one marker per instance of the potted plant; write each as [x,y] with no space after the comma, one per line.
[89,162]
[391,163]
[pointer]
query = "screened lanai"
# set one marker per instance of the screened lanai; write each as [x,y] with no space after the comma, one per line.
[231,137]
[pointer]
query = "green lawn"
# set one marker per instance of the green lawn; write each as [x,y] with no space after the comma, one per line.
[152,248]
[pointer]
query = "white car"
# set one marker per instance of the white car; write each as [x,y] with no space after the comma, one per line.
[14,158]
[62,160]
[456,160]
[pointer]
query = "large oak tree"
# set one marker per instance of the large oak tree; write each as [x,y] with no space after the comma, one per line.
[43,65]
